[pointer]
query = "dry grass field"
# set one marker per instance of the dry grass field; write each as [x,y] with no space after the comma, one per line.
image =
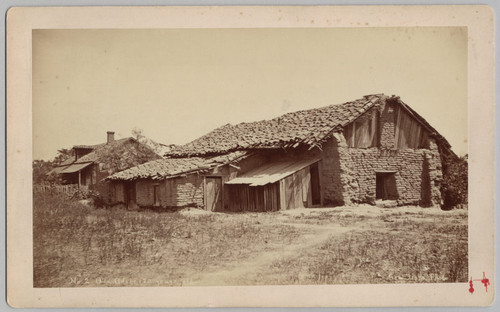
[80,246]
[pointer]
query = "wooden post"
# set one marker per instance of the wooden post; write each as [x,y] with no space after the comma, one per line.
[320,178]
[79,178]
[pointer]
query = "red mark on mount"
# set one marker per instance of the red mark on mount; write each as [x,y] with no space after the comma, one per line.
[485,282]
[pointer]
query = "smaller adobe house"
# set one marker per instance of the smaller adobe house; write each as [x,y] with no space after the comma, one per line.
[372,149]
[93,163]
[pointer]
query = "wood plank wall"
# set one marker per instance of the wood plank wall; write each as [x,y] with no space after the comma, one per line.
[296,190]
[291,192]
[254,198]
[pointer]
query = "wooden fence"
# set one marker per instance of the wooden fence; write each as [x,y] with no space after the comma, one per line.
[68,189]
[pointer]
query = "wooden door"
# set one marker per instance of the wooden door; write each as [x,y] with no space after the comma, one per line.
[213,193]
[130,195]
[156,195]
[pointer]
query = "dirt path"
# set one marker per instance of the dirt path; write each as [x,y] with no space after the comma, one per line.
[236,273]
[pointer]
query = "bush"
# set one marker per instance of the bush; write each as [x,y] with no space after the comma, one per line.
[455,183]
[97,199]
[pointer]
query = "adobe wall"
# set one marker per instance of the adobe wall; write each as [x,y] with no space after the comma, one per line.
[349,174]
[182,191]
[387,133]
[176,192]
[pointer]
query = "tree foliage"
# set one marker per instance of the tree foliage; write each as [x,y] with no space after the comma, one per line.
[63,155]
[115,157]
[455,182]
[41,168]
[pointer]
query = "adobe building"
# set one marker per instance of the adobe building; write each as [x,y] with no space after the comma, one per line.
[374,149]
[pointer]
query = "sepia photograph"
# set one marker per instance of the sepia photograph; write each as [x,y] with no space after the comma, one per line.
[277,183]
[179,158]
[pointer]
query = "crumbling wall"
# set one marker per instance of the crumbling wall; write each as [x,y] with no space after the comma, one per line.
[407,168]
[338,180]
[435,172]
[387,124]
[349,174]
[177,192]
[182,191]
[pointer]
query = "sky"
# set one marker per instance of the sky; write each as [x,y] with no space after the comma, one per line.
[178,84]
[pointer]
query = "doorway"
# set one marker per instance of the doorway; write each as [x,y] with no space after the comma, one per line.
[315,186]
[213,193]
[156,195]
[130,195]
[386,186]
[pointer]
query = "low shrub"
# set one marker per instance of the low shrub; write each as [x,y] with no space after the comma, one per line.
[454,187]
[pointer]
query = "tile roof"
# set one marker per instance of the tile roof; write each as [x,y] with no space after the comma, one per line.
[171,167]
[117,155]
[67,162]
[71,160]
[308,127]
[89,146]
[231,143]
[101,150]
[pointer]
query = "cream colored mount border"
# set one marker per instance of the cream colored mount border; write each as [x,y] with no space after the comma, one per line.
[21,22]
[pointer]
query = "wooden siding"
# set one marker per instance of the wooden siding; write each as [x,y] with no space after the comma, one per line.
[213,193]
[408,132]
[296,190]
[291,192]
[254,198]
[364,131]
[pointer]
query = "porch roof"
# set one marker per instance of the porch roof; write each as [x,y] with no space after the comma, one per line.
[272,172]
[75,167]
[57,170]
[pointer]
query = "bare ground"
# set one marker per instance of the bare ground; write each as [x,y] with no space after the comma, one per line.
[237,272]
[80,246]
[252,270]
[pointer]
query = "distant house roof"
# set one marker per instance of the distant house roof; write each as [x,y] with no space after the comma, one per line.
[75,167]
[100,150]
[88,146]
[115,156]
[67,162]
[308,127]
[171,167]
[57,170]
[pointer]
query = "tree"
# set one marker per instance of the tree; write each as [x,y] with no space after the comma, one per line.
[40,170]
[62,155]
[455,182]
